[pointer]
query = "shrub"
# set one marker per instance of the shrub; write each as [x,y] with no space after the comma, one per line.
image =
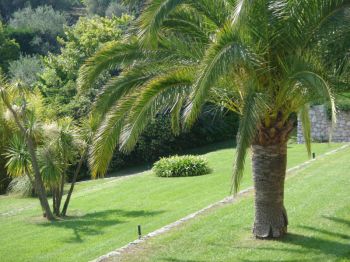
[26,69]
[181,166]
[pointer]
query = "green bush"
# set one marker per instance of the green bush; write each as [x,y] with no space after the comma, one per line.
[181,166]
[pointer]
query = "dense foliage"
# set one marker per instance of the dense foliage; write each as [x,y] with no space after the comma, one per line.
[181,166]
[58,79]
[158,140]
[9,49]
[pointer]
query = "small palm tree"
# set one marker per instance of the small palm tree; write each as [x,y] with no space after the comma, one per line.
[58,152]
[259,59]
[15,99]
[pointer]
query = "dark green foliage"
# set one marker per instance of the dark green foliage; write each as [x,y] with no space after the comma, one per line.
[44,23]
[24,38]
[57,81]
[7,7]
[158,139]
[181,166]
[9,49]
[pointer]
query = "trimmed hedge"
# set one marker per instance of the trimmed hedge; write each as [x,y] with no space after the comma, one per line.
[181,166]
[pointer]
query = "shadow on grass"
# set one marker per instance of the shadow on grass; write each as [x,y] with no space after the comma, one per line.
[338,220]
[95,223]
[314,246]
[129,171]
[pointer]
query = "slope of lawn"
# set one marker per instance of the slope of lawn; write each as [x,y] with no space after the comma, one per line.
[318,201]
[105,213]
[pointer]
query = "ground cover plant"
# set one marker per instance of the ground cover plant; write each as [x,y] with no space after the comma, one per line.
[319,205]
[104,214]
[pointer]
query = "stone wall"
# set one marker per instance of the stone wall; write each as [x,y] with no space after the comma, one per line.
[321,126]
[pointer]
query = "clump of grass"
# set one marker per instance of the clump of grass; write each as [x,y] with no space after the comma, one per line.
[181,166]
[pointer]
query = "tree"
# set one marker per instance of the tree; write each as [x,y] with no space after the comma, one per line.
[43,24]
[86,131]
[14,97]
[57,81]
[26,69]
[7,7]
[9,49]
[253,57]
[56,146]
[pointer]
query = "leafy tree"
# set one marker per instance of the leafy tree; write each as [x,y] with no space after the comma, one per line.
[57,81]
[26,69]
[256,58]
[116,9]
[7,7]
[9,49]
[43,22]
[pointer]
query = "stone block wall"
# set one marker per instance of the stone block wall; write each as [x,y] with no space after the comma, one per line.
[321,126]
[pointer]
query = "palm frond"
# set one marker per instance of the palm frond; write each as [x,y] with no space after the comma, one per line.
[306,125]
[155,95]
[113,55]
[152,18]
[253,108]
[226,52]
[176,116]
[107,136]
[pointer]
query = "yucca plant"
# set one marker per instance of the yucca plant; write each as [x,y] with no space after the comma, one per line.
[58,152]
[15,98]
[259,59]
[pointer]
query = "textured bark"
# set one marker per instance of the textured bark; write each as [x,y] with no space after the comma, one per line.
[39,185]
[269,169]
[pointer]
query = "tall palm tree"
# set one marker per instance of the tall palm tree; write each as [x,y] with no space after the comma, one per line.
[256,58]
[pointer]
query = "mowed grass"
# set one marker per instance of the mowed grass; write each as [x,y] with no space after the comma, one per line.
[104,214]
[318,203]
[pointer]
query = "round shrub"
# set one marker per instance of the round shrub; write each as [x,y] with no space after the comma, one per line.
[181,166]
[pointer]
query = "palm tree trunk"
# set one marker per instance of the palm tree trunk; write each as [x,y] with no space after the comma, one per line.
[39,185]
[60,190]
[269,170]
[70,192]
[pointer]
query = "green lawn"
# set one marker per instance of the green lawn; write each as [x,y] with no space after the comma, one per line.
[105,213]
[318,201]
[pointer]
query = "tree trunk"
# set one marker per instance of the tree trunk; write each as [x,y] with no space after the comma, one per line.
[269,170]
[39,185]
[69,195]
[59,195]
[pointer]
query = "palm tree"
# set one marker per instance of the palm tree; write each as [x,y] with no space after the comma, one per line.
[14,97]
[255,58]
[58,152]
